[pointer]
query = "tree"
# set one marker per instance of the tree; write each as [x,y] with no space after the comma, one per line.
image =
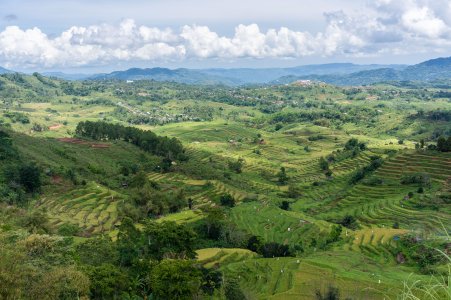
[323,164]
[282,176]
[61,283]
[108,282]
[285,205]
[443,144]
[211,280]
[349,222]
[293,192]
[129,243]
[13,273]
[227,200]
[30,178]
[214,221]
[168,239]
[237,165]
[254,243]
[273,249]
[6,146]
[335,233]
[175,279]
[332,294]
[328,173]
[98,251]
[232,290]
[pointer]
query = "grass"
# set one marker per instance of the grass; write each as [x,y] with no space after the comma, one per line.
[362,265]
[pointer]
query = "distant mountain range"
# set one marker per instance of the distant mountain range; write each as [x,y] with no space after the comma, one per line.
[66,76]
[337,73]
[162,74]
[239,76]
[435,69]
[4,71]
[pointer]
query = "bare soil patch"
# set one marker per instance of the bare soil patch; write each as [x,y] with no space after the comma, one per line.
[55,127]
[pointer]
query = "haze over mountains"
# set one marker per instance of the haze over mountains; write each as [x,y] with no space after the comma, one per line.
[335,73]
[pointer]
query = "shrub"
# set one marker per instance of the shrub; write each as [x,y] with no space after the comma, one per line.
[274,249]
[227,200]
[416,178]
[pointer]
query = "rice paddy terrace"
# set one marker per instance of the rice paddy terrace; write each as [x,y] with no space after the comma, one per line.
[384,205]
[372,247]
[378,208]
[92,208]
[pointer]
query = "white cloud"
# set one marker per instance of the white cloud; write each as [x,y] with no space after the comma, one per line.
[423,21]
[386,26]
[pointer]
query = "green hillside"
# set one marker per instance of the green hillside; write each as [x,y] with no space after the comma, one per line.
[147,190]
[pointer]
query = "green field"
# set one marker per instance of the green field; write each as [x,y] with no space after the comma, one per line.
[91,184]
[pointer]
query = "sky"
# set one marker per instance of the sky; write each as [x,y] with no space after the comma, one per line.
[105,35]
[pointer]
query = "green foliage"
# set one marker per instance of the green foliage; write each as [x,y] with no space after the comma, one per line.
[421,252]
[323,164]
[30,178]
[98,251]
[146,140]
[68,229]
[417,178]
[273,249]
[444,144]
[335,233]
[175,279]
[227,200]
[129,243]
[332,293]
[233,291]
[7,151]
[358,175]
[285,205]
[237,165]
[152,202]
[349,222]
[168,239]
[17,117]
[108,282]
[282,177]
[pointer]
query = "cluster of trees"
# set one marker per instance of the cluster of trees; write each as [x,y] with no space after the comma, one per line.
[170,148]
[17,117]
[18,179]
[268,250]
[153,262]
[422,179]
[324,166]
[421,252]
[282,176]
[376,162]
[236,165]
[148,200]
[444,144]
[156,260]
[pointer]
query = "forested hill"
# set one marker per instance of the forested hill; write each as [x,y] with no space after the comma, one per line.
[436,69]
[338,74]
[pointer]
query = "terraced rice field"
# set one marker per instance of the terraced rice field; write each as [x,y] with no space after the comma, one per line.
[216,257]
[294,278]
[276,225]
[384,204]
[201,191]
[93,208]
